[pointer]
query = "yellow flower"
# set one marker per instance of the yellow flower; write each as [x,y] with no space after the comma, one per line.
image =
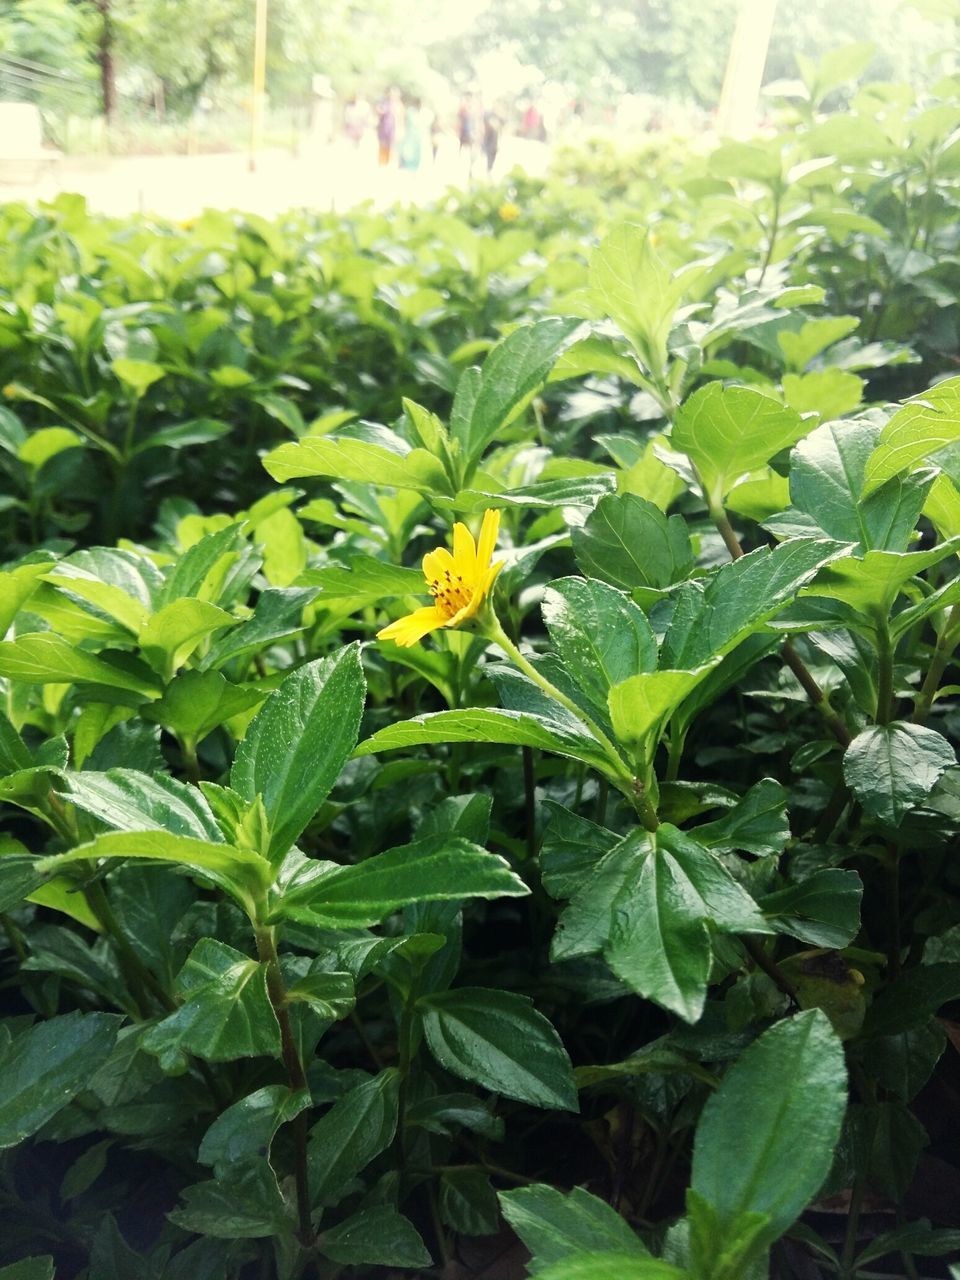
[459,583]
[508,211]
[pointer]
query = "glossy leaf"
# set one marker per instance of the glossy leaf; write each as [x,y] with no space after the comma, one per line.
[792,1084]
[557,1226]
[727,432]
[298,742]
[357,1128]
[45,1066]
[892,768]
[499,1040]
[433,869]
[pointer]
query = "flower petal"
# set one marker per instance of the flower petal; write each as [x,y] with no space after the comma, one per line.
[437,562]
[464,552]
[413,626]
[488,537]
[490,576]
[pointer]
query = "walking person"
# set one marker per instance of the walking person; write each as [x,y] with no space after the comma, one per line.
[386,126]
[491,137]
[411,144]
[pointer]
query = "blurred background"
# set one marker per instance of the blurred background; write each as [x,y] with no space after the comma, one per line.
[173,105]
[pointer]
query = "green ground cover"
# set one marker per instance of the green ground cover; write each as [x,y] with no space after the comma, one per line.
[604,919]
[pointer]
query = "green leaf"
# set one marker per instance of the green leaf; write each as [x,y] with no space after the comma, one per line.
[558,1226]
[364,579]
[202,569]
[485,724]
[756,824]
[16,588]
[182,435]
[139,375]
[173,633]
[739,598]
[44,658]
[468,1202]
[600,635]
[438,868]
[827,474]
[249,1205]
[630,543]
[39,1267]
[195,703]
[359,461]
[513,372]
[630,284]
[870,584]
[727,432]
[923,425]
[640,706]
[823,909]
[226,1012]
[499,1040]
[377,1236]
[19,878]
[913,998]
[829,393]
[610,1266]
[892,768]
[814,336]
[81,582]
[792,1084]
[659,942]
[46,1066]
[570,491]
[127,800]
[277,615]
[242,874]
[357,1128]
[298,742]
[246,1129]
[916,1238]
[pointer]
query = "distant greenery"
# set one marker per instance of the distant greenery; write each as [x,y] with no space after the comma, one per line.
[162,56]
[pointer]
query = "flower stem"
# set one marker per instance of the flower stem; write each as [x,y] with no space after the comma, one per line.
[620,773]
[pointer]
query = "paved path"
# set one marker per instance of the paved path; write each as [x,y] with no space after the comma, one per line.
[334,176]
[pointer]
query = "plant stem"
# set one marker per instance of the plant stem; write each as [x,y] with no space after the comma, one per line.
[774,228]
[267,951]
[621,774]
[770,967]
[138,976]
[847,1269]
[885,691]
[946,644]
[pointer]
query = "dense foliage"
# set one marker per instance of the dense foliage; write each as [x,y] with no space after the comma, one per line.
[614,927]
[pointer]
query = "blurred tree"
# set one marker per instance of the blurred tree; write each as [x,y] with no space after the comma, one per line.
[47,54]
[678,48]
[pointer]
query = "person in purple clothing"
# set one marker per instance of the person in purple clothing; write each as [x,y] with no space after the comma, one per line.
[386,126]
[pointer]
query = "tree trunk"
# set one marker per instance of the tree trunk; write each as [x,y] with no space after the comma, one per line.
[108,82]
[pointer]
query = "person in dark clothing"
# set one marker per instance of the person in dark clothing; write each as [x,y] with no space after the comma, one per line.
[491,137]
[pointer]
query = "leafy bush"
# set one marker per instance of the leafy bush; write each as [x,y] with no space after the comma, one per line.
[610,895]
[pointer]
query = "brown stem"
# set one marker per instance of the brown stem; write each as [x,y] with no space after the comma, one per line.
[267,951]
[770,967]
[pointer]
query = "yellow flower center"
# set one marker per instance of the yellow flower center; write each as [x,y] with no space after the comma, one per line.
[449,593]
